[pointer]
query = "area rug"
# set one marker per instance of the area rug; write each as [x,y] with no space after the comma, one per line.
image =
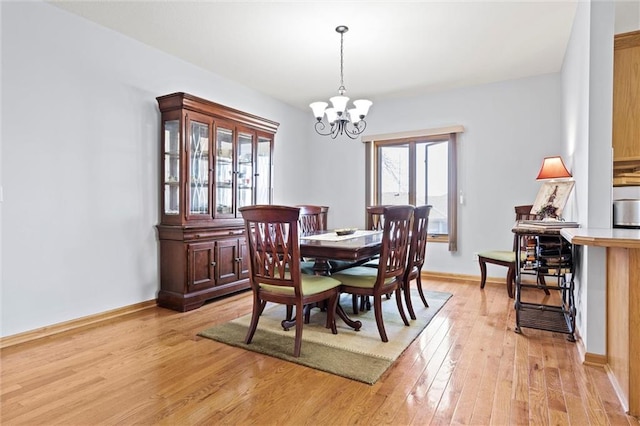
[360,355]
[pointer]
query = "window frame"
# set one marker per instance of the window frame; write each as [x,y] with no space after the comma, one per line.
[448,135]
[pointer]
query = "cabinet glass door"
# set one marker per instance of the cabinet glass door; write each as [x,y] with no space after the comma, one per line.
[224,172]
[263,171]
[245,170]
[172,167]
[198,168]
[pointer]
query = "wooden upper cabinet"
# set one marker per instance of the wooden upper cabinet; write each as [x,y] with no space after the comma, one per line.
[215,160]
[626,109]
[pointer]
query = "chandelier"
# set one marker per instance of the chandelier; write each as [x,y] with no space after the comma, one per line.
[340,120]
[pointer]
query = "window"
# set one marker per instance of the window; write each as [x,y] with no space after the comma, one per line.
[417,169]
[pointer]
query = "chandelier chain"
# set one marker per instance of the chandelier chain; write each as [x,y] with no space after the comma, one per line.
[342,89]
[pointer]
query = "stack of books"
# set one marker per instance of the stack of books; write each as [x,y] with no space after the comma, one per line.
[547,224]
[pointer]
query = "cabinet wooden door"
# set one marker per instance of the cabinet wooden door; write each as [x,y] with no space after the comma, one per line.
[626,97]
[201,265]
[198,200]
[263,169]
[227,261]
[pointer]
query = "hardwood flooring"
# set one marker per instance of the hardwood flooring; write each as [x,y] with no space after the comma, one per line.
[467,367]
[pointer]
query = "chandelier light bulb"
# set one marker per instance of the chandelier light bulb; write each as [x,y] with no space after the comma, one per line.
[354,115]
[339,103]
[318,109]
[332,115]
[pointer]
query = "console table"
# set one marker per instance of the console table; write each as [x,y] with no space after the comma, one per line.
[543,253]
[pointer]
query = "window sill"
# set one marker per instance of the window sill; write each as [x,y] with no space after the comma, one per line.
[438,238]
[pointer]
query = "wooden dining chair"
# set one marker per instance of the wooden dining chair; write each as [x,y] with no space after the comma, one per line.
[374,222]
[506,258]
[375,217]
[416,256]
[387,278]
[274,254]
[312,219]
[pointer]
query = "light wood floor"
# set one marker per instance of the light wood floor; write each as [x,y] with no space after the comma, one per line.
[467,367]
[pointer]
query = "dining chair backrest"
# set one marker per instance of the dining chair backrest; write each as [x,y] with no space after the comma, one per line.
[395,242]
[375,217]
[274,248]
[523,213]
[418,245]
[312,218]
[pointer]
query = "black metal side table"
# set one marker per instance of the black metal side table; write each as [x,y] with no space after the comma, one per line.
[544,254]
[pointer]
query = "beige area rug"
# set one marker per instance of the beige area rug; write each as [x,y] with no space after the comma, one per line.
[357,355]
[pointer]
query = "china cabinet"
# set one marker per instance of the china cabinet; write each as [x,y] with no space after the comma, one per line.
[214,160]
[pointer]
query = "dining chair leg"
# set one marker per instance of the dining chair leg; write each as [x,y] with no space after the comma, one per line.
[365,303]
[307,313]
[258,307]
[377,308]
[354,302]
[511,278]
[289,312]
[543,283]
[299,323]
[483,272]
[400,308]
[407,299]
[419,285]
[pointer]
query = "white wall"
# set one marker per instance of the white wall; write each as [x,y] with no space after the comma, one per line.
[627,16]
[509,128]
[80,140]
[587,81]
[80,132]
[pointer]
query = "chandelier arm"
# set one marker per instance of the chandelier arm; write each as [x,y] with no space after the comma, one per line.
[320,126]
[356,130]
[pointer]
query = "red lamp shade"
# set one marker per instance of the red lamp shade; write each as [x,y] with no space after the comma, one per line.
[553,168]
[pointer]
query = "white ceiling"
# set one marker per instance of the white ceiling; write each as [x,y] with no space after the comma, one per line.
[290,50]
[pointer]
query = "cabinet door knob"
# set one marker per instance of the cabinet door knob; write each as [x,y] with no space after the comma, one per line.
[197,236]
[213,263]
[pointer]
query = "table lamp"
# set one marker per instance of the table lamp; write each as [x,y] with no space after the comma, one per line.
[553,168]
[554,193]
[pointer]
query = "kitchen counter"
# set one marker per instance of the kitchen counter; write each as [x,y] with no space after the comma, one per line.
[603,237]
[623,306]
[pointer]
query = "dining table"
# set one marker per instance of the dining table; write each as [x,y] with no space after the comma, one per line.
[324,246]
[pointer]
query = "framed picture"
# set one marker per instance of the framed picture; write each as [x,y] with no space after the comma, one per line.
[552,198]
